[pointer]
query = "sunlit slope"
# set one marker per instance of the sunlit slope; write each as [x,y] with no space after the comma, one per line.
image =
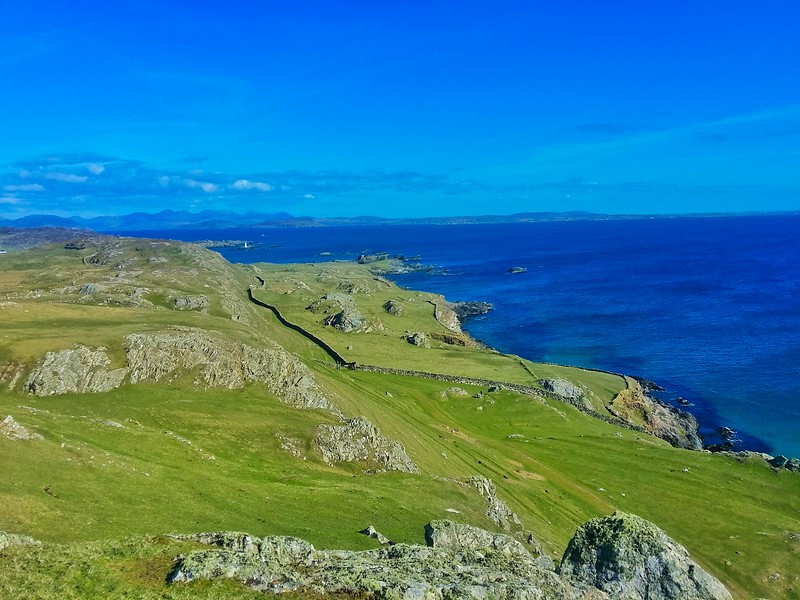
[180,456]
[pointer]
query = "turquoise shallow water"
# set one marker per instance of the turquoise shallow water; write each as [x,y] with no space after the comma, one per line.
[708,308]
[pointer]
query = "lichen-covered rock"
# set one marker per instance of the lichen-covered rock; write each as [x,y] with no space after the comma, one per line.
[14,431]
[401,571]
[630,558]
[222,363]
[15,539]
[358,440]
[78,369]
[417,338]
[198,303]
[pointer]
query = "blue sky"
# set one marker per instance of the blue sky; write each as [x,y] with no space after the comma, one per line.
[399,109]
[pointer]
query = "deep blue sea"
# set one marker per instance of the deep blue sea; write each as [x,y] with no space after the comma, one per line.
[708,308]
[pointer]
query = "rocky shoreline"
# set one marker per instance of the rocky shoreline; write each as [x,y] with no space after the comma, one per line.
[674,415]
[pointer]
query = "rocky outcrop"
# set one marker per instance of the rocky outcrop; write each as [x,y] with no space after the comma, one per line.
[15,539]
[633,406]
[393,307]
[465,310]
[563,389]
[358,440]
[198,303]
[282,564]
[14,431]
[443,313]
[221,363]
[497,510]
[345,314]
[346,320]
[628,557]
[373,533]
[79,369]
[417,338]
[454,391]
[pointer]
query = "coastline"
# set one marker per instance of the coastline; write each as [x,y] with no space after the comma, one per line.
[725,440]
[640,350]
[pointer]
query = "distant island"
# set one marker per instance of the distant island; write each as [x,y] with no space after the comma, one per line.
[220,219]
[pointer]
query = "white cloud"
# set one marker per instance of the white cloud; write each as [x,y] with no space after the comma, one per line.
[308,196]
[68,177]
[244,184]
[26,187]
[9,200]
[207,187]
[95,169]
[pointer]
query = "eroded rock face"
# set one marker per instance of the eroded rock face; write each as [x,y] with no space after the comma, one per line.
[278,564]
[628,557]
[156,356]
[676,426]
[358,440]
[79,369]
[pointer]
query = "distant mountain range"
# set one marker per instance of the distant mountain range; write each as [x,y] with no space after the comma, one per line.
[212,219]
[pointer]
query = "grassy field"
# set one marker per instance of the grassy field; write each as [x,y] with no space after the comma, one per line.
[115,470]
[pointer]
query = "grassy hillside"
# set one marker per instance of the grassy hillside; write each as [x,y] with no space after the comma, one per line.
[147,459]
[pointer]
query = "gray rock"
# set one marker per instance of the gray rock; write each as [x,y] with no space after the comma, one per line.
[445,315]
[88,288]
[562,388]
[80,369]
[373,533]
[417,338]
[346,320]
[14,431]
[455,536]
[628,557]
[198,303]
[358,440]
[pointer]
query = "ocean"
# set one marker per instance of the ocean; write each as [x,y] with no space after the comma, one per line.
[708,308]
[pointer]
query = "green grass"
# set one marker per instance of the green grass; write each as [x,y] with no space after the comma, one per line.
[88,482]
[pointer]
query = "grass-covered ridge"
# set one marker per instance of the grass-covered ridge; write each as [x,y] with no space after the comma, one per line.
[118,465]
